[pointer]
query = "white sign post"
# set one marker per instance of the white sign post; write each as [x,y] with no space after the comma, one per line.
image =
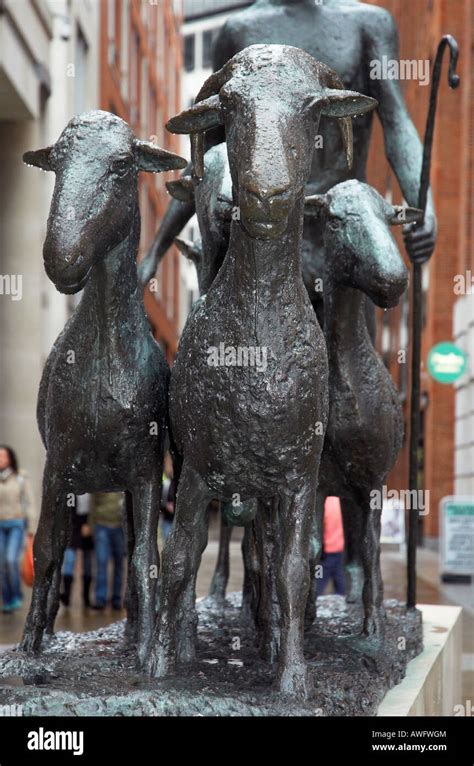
[393,522]
[457,538]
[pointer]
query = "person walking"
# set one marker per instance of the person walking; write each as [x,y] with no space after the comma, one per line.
[332,559]
[168,497]
[106,519]
[17,517]
[80,540]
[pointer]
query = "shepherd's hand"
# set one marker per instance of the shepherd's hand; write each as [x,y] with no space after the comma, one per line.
[420,239]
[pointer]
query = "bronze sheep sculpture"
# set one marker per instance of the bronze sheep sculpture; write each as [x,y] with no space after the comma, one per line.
[270,403]
[103,394]
[255,432]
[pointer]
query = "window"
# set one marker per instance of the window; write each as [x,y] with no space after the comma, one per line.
[145,217]
[134,79]
[170,295]
[80,71]
[124,47]
[208,38]
[189,42]
[403,345]
[161,46]
[144,116]
[112,53]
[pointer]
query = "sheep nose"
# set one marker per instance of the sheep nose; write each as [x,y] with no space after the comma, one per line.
[263,190]
[273,201]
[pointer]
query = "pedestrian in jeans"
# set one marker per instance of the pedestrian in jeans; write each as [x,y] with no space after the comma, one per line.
[106,519]
[17,516]
[332,558]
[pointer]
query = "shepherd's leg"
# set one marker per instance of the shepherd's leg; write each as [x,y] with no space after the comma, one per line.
[145,559]
[176,625]
[295,516]
[46,556]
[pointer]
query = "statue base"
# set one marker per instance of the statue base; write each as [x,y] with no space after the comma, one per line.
[80,674]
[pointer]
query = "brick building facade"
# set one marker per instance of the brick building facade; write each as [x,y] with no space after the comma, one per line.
[140,66]
[421,25]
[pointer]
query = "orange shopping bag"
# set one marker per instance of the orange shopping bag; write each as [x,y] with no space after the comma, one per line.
[27,569]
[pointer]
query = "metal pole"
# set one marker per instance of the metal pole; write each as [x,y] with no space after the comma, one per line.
[417,311]
[414,432]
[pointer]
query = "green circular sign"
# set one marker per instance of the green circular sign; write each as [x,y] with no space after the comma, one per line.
[446,362]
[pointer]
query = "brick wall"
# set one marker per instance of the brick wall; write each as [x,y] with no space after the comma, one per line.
[140,82]
[421,25]
[464,323]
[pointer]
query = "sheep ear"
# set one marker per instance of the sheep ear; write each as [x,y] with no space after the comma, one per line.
[314,204]
[198,118]
[401,215]
[182,189]
[345,103]
[345,126]
[39,158]
[191,250]
[152,158]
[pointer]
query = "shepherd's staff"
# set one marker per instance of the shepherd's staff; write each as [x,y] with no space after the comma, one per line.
[453,81]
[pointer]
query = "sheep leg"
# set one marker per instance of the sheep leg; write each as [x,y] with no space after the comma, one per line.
[220,577]
[250,590]
[352,517]
[145,559]
[315,548]
[46,556]
[268,615]
[296,513]
[176,625]
[53,595]
[372,592]
[131,598]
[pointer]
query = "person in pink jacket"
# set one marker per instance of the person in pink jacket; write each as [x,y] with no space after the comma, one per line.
[332,559]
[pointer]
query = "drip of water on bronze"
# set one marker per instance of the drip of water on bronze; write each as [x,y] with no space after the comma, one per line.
[265,435]
[103,394]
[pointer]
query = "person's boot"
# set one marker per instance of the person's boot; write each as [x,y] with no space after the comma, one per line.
[86,586]
[65,596]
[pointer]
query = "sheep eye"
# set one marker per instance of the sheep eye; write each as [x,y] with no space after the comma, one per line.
[120,167]
[227,100]
[335,224]
[313,106]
